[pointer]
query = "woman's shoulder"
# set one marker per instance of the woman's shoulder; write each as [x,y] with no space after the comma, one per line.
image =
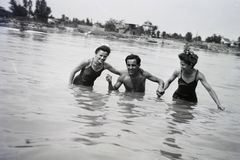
[87,61]
[177,72]
[107,65]
[84,63]
[199,75]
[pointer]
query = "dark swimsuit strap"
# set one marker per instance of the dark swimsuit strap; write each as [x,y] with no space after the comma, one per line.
[90,64]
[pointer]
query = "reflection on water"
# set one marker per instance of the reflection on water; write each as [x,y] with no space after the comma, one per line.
[40,37]
[41,117]
[130,104]
[171,155]
[88,99]
[181,113]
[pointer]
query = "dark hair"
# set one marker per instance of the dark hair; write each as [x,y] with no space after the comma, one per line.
[133,56]
[189,58]
[104,48]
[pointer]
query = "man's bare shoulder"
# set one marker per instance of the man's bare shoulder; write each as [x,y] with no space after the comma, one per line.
[145,73]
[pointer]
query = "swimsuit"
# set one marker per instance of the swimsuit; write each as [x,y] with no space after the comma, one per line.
[186,91]
[87,76]
[136,87]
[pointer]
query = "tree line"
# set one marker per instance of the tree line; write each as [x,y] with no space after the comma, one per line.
[42,13]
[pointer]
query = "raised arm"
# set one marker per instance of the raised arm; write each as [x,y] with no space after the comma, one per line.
[117,85]
[171,79]
[78,68]
[210,90]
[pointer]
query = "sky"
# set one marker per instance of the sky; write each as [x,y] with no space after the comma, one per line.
[200,17]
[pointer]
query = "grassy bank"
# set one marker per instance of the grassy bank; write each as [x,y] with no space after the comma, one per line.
[99,32]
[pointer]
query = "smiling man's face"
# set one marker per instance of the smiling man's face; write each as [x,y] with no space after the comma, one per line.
[132,66]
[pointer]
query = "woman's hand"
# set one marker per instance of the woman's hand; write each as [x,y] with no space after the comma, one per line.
[160,93]
[220,107]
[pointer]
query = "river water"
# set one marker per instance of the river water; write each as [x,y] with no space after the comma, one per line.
[41,117]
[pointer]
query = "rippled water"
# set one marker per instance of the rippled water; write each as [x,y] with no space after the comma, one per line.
[42,118]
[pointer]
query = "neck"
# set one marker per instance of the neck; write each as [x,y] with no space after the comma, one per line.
[96,62]
[188,71]
[135,74]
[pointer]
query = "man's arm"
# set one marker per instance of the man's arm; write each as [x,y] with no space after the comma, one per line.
[117,85]
[160,90]
[210,90]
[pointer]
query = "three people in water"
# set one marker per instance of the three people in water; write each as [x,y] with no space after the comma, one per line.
[135,77]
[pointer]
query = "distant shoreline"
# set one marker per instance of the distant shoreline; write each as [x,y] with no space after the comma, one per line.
[89,30]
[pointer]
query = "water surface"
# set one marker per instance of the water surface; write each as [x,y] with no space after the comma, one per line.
[41,117]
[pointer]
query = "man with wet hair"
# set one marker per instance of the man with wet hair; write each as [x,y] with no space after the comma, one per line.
[135,77]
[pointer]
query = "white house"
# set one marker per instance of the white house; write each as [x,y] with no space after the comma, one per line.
[147,26]
[225,41]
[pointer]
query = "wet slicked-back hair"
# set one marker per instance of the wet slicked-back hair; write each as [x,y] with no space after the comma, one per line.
[133,56]
[189,58]
[104,48]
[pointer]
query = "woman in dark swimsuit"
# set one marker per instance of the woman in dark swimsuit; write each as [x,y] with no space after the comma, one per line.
[92,68]
[188,77]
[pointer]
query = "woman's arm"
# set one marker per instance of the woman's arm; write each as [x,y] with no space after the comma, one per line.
[112,69]
[171,79]
[78,68]
[210,90]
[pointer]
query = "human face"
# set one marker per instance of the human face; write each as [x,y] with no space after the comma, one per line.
[101,56]
[132,66]
[184,66]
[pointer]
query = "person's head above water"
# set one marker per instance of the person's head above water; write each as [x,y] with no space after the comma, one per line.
[133,56]
[189,57]
[103,47]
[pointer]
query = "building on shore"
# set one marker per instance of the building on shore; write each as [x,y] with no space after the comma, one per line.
[225,41]
[129,28]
